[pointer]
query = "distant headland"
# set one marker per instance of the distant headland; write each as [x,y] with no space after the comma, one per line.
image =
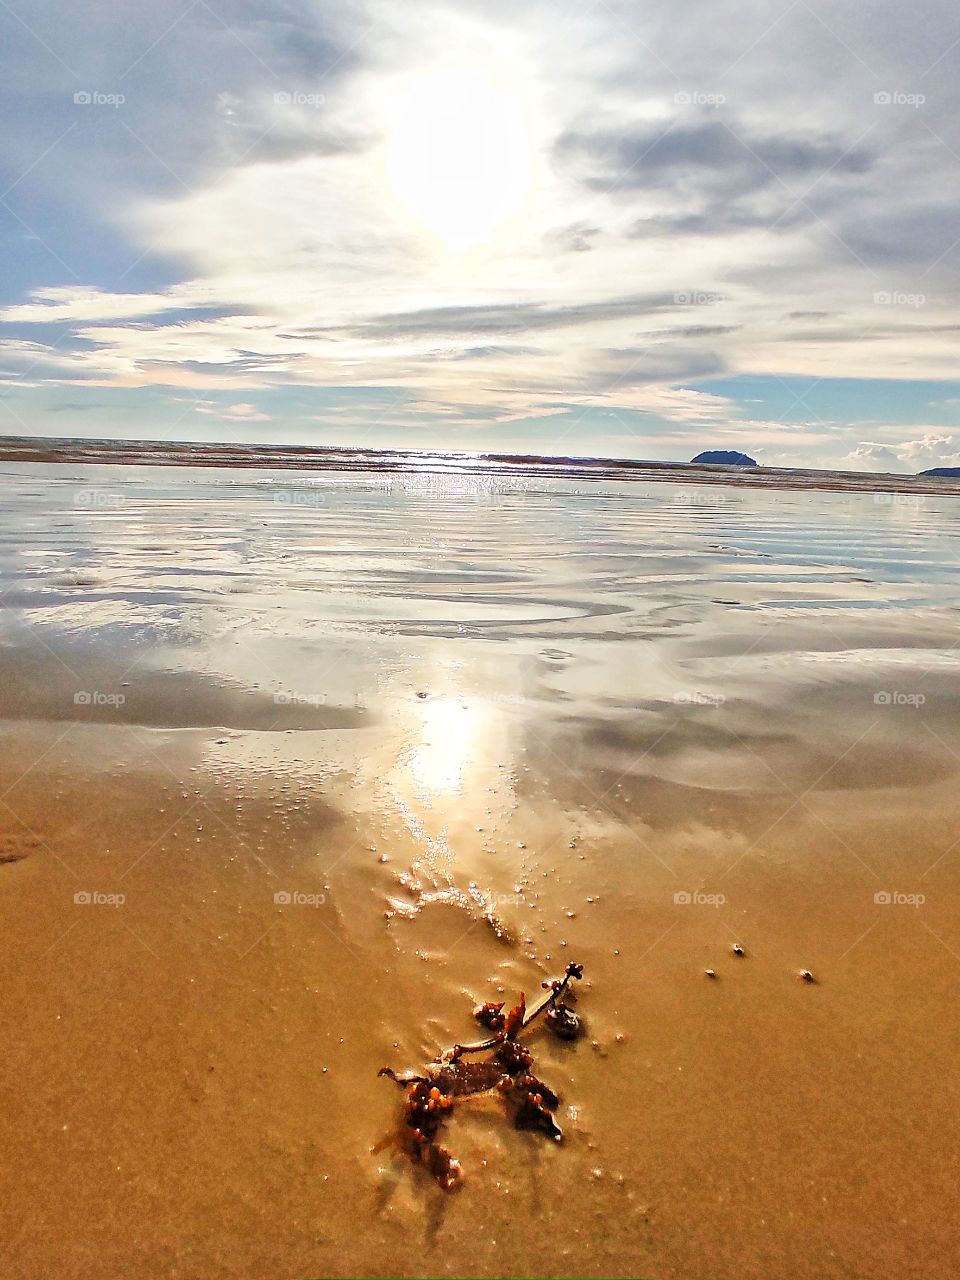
[726,458]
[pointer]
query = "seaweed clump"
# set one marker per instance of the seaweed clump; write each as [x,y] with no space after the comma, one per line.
[508,1068]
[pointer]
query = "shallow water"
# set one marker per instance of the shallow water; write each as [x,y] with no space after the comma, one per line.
[360,751]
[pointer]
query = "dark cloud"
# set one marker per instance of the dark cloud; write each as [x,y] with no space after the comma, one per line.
[246,362]
[654,362]
[919,232]
[709,155]
[294,142]
[726,216]
[694,331]
[518,317]
[484,353]
[711,178]
[575,238]
[858,333]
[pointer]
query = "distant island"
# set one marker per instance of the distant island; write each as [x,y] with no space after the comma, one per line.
[726,458]
[952,472]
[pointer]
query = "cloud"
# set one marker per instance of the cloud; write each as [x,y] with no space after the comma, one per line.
[714,155]
[69,303]
[237,412]
[876,456]
[528,317]
[713,177]
[933,449]
[578,237]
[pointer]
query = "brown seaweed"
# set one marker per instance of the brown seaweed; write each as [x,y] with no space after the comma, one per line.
[508,1069]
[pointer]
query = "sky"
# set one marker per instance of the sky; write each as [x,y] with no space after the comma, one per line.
[603,227]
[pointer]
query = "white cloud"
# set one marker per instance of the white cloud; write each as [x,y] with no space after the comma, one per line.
[933,449]
[241,412]
[80,303]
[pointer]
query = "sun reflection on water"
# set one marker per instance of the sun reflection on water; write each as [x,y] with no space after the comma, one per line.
[441,755]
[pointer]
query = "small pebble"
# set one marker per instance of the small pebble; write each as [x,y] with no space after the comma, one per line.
[806,976]
[737,949]
[711,973]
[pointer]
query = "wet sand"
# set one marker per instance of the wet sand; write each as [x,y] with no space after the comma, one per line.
[473,729]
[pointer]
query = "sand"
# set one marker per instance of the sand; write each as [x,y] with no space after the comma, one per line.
[468,733]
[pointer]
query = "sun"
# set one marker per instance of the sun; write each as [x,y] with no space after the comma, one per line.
[459,154]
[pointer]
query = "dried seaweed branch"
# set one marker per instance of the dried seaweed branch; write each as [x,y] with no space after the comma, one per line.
[430,1095]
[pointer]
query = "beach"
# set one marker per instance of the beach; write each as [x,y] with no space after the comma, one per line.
[298,767]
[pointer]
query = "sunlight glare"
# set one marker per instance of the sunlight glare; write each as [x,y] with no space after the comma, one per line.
[459,151]
[440,757]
